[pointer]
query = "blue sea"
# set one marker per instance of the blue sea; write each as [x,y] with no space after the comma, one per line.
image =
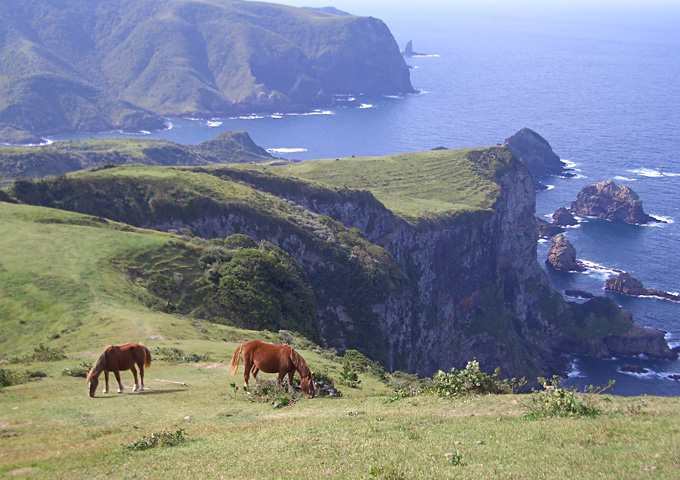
[599,80]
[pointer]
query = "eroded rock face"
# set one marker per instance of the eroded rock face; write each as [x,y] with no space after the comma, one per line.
[546,229]
[563,217]
[562,255]
[629,285]
[609,201]
[535,152]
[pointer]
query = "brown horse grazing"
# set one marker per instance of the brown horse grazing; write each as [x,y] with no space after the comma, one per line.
[281,359]
[116,358]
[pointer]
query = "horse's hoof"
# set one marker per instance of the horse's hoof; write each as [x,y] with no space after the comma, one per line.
[142,388]
[134,389]
[120,391]
[105,391]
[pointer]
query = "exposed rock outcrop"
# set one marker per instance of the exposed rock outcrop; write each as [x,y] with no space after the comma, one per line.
[626,284]
[563,217]
[547,229]
[562,255]
[609,201]
[536,153]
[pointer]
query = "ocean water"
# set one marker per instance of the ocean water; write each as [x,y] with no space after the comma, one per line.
[599,81]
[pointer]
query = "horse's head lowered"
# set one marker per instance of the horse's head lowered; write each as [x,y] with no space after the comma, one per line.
[92,383]
[307,385]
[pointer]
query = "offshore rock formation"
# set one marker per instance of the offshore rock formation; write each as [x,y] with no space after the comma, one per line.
[562,255]
[629,285]
[563,217]
[609,201]
[547,229]
[536,153]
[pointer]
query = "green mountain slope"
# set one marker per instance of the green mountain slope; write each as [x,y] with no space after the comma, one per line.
[89,65]
[68,156]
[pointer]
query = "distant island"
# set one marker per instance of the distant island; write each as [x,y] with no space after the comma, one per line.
[87,68]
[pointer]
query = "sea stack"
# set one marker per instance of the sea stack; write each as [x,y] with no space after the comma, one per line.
[609,201]
[562,255]
[536,153]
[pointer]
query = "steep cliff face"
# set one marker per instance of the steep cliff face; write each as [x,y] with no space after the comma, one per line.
[422,294]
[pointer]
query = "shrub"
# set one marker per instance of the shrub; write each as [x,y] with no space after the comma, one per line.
[176,355]
[267,391]
[564,402]
[40,353]
[9,378]
[163,438]
[472,381]
[348,376]
[80,371]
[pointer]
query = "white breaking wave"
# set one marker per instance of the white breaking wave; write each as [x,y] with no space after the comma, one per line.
[648,374]
[398,97]
[653,173]
[432,55]
[599,269]
[574,372]
[550,187]
[664,221]
[568,163]
[625,179]
[366,105]
[286,150]
[213,123]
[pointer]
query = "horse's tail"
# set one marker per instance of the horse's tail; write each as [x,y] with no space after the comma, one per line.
[299,362]
[147,357]
[235,359]
[98,366]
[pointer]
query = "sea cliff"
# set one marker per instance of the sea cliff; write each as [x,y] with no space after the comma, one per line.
[424,284]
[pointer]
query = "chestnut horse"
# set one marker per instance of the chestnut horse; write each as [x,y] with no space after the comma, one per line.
[281,359]
[116,358]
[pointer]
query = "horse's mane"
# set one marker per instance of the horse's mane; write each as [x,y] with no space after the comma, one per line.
[300,364]
[98,366]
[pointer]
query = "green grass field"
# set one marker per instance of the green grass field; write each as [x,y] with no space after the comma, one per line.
[61,287]
[52,429]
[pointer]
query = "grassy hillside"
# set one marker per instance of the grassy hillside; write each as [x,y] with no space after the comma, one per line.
[363,434]
[418,185]
[68,156]
[98,66]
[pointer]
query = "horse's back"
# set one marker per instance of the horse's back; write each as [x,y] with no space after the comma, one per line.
[125,356]
[267,357]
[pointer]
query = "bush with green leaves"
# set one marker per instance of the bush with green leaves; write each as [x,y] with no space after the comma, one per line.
[268,391]
[9,378]
[555,401]
[472,381]
[80,371]
[41,353]
[177,355]
[349,376]
[164,438]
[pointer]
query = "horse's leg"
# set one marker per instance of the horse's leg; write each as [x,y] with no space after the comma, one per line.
[120,384]
[290,381]
[134,374]
[106,377]
[141,376]
[247,367]
[255,372]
